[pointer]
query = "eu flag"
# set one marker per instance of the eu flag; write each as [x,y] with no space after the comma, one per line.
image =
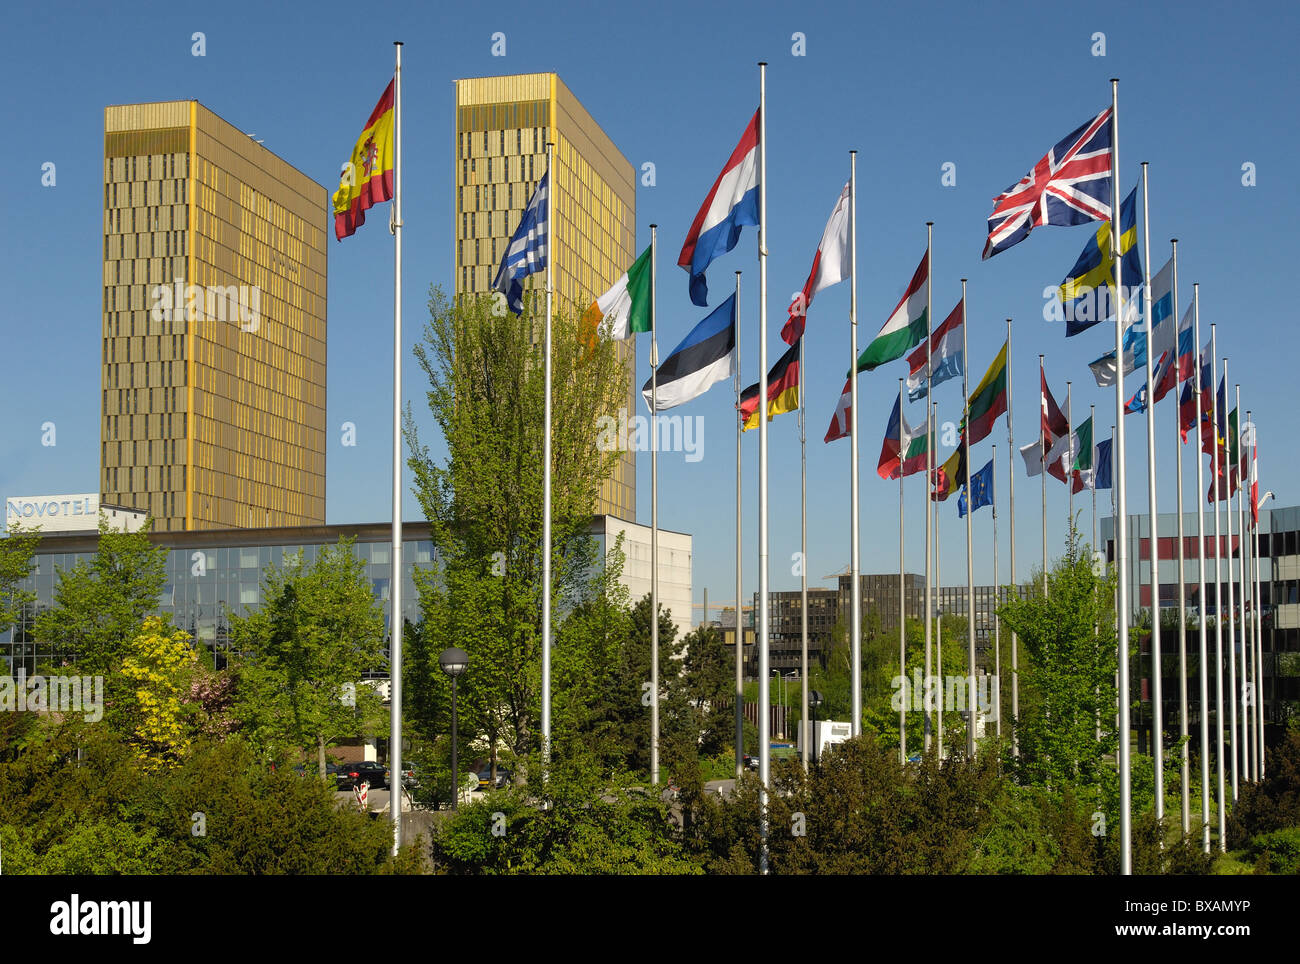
[981,488]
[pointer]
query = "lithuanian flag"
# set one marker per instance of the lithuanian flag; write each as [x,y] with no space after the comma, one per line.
[989,399]
[782,389]
[367,177]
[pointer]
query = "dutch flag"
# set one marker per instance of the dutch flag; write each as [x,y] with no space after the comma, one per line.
[731,204]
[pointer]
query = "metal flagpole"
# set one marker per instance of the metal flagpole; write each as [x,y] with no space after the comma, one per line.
[1202,590]
[1121,502]
[396,580]
[1224,493]
[971,703]
[804,734]
[1259,610]
[1157,694]
[654,514]
[938,620]
[546,485]
[1184,753]
[929,480]
[1092,456]
[1072,455]
[1218,582]
[1043,480]
[764,681]
[1247,621]
[902,594]
[1240,614]
[1011,512]
[997,599]
[855,559]
[740,608]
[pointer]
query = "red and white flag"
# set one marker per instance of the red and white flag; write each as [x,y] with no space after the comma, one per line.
[842,420]
[830,266]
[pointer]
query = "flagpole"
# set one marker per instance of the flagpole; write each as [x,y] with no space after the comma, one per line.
[546,487]
[740,624]
[938,618]
[1225,494]
[1218,581]
[1239,614]
[970,561]
[396,580]
[654,510]
[1259,610]
[1121,502]
[1247,583]
[1071,454]
[764,683]
[929,478]
[997,592]
[1092,416]
[804,734]
[855,558]
[1043,482]
[902,593]
[1011,512]
[1157,694]
[1201,591]
[1183,733]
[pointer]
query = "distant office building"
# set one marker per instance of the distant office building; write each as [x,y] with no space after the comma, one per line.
[502,128]
[1279,571]
[213,388]
[675,548]
[880,595]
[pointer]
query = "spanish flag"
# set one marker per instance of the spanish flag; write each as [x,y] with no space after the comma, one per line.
[782,389]
[367,177]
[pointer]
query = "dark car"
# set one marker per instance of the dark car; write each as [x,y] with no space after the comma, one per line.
[485,779]
[351,775]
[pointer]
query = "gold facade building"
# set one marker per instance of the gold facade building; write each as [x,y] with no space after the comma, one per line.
[213,402]
[502,128]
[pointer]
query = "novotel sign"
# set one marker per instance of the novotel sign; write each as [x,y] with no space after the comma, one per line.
[54,513]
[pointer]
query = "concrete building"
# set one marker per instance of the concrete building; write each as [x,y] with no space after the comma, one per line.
[213,387]
[502,127]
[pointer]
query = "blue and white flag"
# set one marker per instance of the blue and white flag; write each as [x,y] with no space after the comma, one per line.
[526,253]
[704,357]
[1135,335]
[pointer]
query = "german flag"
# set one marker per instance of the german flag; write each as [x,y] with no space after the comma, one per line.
[782,389]
[367,177]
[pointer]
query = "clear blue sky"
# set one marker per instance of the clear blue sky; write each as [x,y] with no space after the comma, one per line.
[987,87]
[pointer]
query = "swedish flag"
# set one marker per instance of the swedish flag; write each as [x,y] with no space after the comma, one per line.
[1087,292]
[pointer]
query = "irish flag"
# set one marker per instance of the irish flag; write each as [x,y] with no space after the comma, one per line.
[625,308]
[906,328]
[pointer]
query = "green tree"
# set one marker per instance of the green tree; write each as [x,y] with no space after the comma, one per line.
[100,604]
[1067,671]
[16,551]
[484,501]
[304,651]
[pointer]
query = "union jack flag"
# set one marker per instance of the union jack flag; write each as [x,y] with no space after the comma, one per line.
[1071,185]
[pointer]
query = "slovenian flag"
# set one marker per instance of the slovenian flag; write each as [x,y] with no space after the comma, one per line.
[1186,347]
[704,357]
[946,355]
[731,204]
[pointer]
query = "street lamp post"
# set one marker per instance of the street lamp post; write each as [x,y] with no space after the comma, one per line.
[814,701]
[454,662]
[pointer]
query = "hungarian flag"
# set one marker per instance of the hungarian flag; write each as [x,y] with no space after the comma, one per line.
[989,399]
[830,266]
[367,177]
[624,309]
[782,390]
[904,449]
[1081,471]
[951,475]
[906,327]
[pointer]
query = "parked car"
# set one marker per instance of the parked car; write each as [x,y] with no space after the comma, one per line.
[351,775]
[485,779]
[751,762]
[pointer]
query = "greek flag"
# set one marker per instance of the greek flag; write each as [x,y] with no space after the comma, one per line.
[526,253]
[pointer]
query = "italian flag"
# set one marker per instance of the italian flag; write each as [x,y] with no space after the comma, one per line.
[906,328]
[624,309]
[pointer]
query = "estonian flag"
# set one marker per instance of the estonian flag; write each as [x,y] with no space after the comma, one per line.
[706,356]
